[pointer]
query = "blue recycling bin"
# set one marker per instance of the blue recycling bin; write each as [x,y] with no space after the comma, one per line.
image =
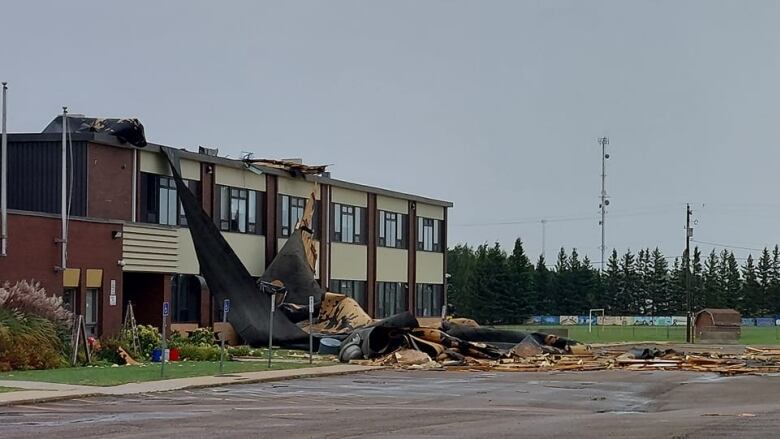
[156,355]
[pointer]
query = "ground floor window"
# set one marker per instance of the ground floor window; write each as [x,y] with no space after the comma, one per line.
[355,289]
[69,299]
[185,298]
[429,299]
[92,311]
[390,298]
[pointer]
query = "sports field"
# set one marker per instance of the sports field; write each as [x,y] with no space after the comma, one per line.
[751,335]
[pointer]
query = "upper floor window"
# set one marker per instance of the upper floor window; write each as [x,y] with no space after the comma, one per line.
[429,234]
[349,224]
[160,201]
[240,210]
[167,199]
[291,212]
[392,229]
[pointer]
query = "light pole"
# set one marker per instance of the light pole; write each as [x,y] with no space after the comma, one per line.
[603,141]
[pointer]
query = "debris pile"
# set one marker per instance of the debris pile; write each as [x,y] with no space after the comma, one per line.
[752,361]
[399,340]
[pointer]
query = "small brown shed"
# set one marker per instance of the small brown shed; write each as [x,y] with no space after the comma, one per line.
[717,325]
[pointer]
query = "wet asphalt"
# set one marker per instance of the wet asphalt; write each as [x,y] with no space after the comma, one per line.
[405,404]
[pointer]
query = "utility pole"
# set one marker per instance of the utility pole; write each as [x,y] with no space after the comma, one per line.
[544,238]
[603,141]
[688,292]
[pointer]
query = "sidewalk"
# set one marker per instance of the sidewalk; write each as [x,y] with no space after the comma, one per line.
[35,391]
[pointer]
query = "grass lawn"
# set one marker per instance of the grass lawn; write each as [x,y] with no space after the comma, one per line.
[111,376]
[751,335]
[7,389]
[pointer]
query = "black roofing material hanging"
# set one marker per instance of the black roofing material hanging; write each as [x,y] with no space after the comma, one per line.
[125,130]
[226,275]
[292,269]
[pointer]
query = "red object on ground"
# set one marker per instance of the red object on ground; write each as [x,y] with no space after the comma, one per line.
[173,354]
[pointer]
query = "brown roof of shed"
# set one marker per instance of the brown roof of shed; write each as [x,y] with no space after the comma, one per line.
[722,316]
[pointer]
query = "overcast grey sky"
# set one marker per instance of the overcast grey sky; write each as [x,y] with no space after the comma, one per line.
[493,105]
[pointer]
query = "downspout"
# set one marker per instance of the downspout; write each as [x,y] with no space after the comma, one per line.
[64,193]
[133,202]
[4,181]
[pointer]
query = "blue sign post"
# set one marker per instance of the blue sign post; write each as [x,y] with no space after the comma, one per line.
[225,311]
[166,310]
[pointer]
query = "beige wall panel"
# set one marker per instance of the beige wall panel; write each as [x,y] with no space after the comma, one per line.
[428,211]
[250,249]
[155,163]
[392,204]
[348,196]
[430,268]
[297,187]
[391,264]
[348,261]
[239,178]
[188,260]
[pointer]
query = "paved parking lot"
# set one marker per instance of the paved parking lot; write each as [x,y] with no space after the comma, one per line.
[427,404]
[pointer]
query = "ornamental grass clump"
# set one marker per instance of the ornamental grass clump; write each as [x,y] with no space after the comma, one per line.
[34,328]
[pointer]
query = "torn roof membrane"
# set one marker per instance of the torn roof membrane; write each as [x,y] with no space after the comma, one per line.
[125,130]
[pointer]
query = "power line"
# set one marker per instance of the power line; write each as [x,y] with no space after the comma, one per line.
[716,244]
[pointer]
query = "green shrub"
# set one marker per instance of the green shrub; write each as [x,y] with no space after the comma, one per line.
[177,340]
[29,342]
[199,353]
[239,351]
[148,339]
[201,337]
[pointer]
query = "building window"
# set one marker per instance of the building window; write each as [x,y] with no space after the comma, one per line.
[166,200]
[194,187]
[429,234]
[160,202]
[429,300]
[390,298]
[240,210]
[355,289]
[348,224]
[69,299]
[92,311]
[185,298]
[291,212]
[392,229]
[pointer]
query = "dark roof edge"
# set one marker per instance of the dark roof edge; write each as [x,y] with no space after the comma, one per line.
[106,139]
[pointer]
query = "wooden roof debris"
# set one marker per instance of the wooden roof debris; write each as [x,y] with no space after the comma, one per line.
[295,168]
[752,361]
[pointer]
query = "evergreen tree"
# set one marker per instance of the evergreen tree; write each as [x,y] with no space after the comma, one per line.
[560,284]
[766,280]
[772,304]
[658,285]
[732,281]
[521,277]
[543,288]
[751,295]
[612,281]
[711,284]
[489,285]
[696,284]
[677,289]
[460,263]
[628,283]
